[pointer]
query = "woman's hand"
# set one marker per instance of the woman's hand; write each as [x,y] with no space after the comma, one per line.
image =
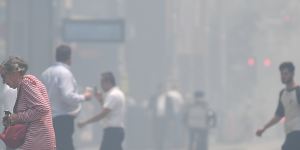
[13,119]
[6,121]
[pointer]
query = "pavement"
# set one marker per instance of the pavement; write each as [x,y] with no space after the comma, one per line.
[257,144]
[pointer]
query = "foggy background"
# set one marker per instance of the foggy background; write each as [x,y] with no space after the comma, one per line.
[230,49]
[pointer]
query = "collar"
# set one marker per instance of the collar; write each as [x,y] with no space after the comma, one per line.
[291,89]
[112,89]
[62,64]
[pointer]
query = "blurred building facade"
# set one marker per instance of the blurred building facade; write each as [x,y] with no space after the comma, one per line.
[230,49]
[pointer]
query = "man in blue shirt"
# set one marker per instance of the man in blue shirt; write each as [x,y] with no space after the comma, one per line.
[64,97]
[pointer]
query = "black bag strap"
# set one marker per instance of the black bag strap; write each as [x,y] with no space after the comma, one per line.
[298,94]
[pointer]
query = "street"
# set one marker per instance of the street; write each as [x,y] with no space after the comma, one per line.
[257,144]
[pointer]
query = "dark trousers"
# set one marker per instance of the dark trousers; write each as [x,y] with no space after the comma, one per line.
[198,139]
[112,139]
[161,129]
[292,141]
[64,129]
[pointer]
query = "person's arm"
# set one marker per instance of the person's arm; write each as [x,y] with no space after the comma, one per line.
[68,89]
[212,118]
[277,117]
[298,94]
[272,122]
[110,104]
[36,102]
[99,96]
[96,118]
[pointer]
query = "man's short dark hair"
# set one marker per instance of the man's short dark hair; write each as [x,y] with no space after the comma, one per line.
[63,53]
[108,76]
[287,65]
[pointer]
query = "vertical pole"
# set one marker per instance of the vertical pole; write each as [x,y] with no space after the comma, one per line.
[29,33]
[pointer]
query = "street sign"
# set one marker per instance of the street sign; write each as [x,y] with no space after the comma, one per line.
[93,30]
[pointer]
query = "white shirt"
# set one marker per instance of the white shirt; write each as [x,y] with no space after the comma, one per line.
[198,116]
[115,101]
[176,98]
[9,98]
[291,110]
[62,90]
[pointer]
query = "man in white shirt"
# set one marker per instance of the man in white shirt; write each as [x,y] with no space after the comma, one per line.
[64,97]
[112,113]
[288,107]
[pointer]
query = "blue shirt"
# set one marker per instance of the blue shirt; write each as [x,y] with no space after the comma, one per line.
[62,90]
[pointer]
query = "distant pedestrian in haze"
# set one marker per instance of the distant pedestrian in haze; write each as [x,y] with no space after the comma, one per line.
[168,127]
[199,118]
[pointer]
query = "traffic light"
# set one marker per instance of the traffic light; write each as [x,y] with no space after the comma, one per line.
[267,62]
[251,61]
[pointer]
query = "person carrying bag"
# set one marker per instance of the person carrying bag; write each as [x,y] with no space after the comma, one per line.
[14,135]
[32,109]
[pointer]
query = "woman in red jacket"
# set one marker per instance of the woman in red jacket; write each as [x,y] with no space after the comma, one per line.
[32,106]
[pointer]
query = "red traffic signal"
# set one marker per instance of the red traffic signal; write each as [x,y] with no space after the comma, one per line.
[251,61]
[267,62]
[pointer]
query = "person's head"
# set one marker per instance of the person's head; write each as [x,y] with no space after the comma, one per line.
[12,71]
[107,81]
[199,96]
[287,71]
[63,54]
